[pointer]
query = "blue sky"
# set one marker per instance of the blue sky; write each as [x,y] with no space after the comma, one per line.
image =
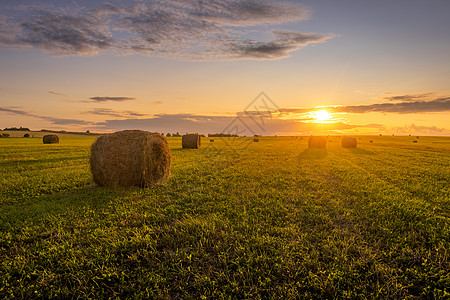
[184,65]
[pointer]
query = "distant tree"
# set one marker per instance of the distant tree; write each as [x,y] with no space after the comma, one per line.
[87,132]
[168,135]
[17,129]
[26,135]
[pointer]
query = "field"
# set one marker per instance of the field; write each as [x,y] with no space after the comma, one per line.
[237,219]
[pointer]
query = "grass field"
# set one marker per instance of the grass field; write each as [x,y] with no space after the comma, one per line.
[252,220]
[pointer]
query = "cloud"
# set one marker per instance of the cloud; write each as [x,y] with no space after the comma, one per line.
[284,43]
[114,113]
[114,99]
[406,104]
[407,107]
[57,94]
[420,130]
[66,34]
[158,102]
[53,120]
[408,98]
[186,29]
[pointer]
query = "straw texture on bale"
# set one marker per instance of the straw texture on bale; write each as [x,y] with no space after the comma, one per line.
[191,141]
[317,142]
[50,139]
[130,158]
[349,142]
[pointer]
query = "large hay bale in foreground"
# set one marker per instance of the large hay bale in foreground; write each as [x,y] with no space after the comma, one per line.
[317,142]
[130,158]
[349,142]
[190,141]
[50,139]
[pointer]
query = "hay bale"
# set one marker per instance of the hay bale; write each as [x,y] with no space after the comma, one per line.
[317,142]
[349,142]
[255,140]
[50,139]
[190,141]
[371,141]
[414,141]
[130,158]
[211,141]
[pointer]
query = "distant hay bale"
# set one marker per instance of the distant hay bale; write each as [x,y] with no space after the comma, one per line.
[26,135]
[211,141]
[191,141]
[414,141]
[349,142]
[130,158]
[255,140]
[317,142]
[371,141]
[50,139]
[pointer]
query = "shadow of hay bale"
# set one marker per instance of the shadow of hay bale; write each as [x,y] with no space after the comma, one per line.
[359,151]
[313,153]
[348,142]
[319,142]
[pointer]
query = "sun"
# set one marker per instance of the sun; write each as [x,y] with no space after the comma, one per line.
[322,116]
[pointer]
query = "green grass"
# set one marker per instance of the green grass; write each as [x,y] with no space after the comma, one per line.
[271,220]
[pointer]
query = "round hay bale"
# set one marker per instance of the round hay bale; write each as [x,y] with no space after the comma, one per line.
[371,141]
[50,139]
[130,158]
[317,142]
[190,141]
[349,142]
[414,141]
[211,141]
[255,140]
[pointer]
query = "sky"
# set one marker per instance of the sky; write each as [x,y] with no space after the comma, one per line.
[237,66]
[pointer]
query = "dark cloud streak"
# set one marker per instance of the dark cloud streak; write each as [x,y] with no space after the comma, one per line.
[114,113]
[53,120]
[112,99]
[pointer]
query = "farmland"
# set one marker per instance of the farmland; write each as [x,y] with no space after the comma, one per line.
[237,219]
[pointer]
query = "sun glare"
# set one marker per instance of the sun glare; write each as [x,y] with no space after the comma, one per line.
[322,116]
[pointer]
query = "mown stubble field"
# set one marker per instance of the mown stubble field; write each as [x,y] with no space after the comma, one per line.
[236,220]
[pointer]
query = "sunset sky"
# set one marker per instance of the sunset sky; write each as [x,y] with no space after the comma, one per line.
[324,66]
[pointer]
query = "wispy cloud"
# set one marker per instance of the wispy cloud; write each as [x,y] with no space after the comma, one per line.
[421,130]
[53,120]
[158,102]
[112,99]
[402,104]
[115,113]
[188,29]
[406,107]
[415,97]
[57,94]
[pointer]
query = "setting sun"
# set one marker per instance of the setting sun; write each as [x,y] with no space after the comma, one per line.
[322,116]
